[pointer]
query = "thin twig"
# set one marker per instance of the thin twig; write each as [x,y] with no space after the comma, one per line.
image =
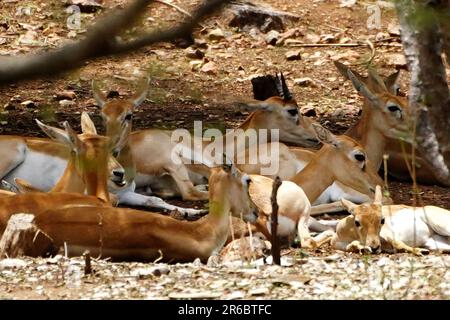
[274,222]
[179,9]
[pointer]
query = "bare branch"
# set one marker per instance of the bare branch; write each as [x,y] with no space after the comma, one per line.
[101,40]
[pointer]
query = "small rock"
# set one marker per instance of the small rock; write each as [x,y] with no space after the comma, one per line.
[209,68]
[259,292]
[65,95]
[291,33]
[216,34]
[12,263]
[396,59]
[327,38]
[393,29]
[86,6]
[9,106]
[312,38]
[200,43]
[305,82]
[194,53]
[29,104]
[66,103]
[308,111]
[293,55]
[381,35]
[347,3]
[195,65]
[272,37]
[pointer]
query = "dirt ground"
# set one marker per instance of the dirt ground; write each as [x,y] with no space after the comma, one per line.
[181,93]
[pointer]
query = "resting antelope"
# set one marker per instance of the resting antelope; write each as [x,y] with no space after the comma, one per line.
[127,234]
[41,163]
[86,170]
[350,166]
[385,139]
[385,116]
[150,151]
[374,228]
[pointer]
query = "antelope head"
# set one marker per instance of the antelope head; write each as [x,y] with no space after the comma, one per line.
[91,155]
[388,111]
[347,161]
[118,113]
[366,221]
[228,189]
[281,112]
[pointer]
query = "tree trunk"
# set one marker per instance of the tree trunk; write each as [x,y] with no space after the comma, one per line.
[429,96]
[23,238]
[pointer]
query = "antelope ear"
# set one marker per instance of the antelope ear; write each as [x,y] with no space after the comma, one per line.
[142,92]
[391,83]
[253,105]
[122,140]
[54,133]
[343,70]
[75,142]
[348,205]
[376,81]
[227,164]
[378,195]
[324,135]
[87,125]
[362,88]
[98,94]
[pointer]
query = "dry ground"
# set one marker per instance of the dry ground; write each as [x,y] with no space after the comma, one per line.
[173,104]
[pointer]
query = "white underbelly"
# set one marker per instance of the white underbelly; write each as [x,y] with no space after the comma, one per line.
[408,227]
[39,169]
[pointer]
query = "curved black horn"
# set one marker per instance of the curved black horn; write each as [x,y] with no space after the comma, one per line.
[286,94]
[279,86]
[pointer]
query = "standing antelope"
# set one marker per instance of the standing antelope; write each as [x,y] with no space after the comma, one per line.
[127,234]
[374,228]
[150,151]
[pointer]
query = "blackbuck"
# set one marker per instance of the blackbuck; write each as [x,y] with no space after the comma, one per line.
[340,159]
[385,115]
[151,152]
[37,164]
[87,172]
[389,129]
[127,234]
[389,228]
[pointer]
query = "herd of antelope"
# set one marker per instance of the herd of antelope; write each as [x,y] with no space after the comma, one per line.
[73,183]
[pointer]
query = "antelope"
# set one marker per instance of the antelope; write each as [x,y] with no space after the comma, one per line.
[86,170]
[37,164]
[389,142]
[375,227]
[128,234]
[278,112]
[350,166]
[385,116]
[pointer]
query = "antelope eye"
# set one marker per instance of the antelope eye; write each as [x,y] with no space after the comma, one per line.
[293,112]
[397,91]
[129,116]
[115,153]
[360,157]
[393,108]
[357,223]
[382,221]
